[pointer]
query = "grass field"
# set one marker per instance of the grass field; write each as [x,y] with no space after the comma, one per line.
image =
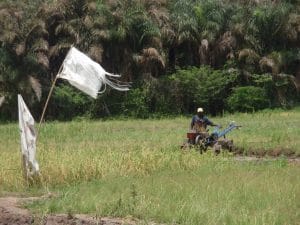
[134,168]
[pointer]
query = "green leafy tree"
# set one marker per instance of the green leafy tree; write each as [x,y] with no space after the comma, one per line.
[247,99]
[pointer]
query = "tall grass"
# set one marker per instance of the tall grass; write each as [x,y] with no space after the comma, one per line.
[85,150]
[217,192]
[135,168]
[268,130]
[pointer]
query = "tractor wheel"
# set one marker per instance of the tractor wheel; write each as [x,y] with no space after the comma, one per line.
[186,145]
[200,144]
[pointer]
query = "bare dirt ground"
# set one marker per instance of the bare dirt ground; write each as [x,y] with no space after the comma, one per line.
[257,152]
[262,156]
[295,160]
[11,213]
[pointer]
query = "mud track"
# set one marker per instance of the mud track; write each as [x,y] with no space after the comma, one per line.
[257,152]
[291,156]
[241,158]
[11,213]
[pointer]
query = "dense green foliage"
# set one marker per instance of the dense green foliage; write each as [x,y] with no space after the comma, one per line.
[247,99]
[178,54]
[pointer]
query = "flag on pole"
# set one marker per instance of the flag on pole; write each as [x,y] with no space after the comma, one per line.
[28,138]
[87,75]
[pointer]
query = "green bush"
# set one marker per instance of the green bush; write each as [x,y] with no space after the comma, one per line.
[68,102]
[248,99]
[136,103]
[202,86]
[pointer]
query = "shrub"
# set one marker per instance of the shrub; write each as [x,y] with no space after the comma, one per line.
[136,103]
[248,99]
[69,102]
[202,86]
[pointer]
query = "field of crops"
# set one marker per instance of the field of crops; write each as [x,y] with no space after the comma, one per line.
[135,168]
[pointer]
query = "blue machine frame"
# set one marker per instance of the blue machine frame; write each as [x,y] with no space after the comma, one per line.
[217,133]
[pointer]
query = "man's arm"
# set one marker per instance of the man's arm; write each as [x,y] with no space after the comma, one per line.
[209,122]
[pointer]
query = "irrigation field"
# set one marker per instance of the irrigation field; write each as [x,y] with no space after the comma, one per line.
[135,169]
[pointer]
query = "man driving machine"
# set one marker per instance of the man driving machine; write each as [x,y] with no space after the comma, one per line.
[200,122]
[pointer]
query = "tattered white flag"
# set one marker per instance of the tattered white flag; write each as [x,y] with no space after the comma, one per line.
[87,75]
[28,138]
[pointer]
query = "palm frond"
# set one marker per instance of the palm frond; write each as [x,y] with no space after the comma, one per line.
[289,78]
[268,65]
[55,50]
[112,3]
[20,48]
[96,52]
[8,36]
[167,33]
[2,100]
[38,30]
[151,54]
[156,42]
[42,59]
[101,34]
[66,29]
[88,22]
[91,6]
[248,55]
[138,59]
[292,28]
[204,52]
[228,41]
[9,26]
[40,45]
[99,22]
[54,17]
[159,15]
[36,86]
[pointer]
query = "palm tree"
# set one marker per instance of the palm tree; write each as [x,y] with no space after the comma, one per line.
[266,26]
[22,56]
[217,41]
[183,50]
[273,64]
[131,33]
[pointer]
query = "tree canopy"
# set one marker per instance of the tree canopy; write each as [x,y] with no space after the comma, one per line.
[178,54]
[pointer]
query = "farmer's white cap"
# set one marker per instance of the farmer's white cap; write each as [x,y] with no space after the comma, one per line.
[200,110]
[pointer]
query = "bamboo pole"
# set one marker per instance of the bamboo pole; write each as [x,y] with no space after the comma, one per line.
[51,90]
[48,98]
[24,168]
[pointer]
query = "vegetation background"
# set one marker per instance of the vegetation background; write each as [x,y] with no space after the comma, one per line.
[223,55]
[240,55]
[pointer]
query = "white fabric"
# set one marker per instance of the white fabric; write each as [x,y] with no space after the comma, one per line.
[28,137]
[87,75]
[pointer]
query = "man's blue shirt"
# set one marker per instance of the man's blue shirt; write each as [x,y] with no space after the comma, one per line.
[197,119]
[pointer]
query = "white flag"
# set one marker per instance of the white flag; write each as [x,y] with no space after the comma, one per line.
[28,138]
[87,75]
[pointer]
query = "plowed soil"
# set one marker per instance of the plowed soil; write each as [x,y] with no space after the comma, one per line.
[277,152]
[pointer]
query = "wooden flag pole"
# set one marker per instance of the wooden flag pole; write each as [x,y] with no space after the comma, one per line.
[47,101]
[50,92]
